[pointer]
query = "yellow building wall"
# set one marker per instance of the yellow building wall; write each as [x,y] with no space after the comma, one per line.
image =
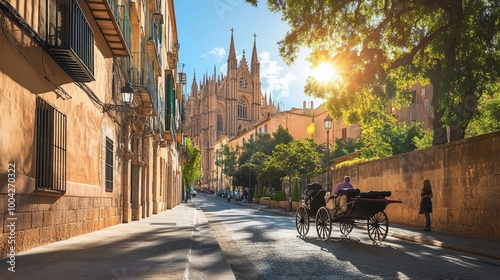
[27,71]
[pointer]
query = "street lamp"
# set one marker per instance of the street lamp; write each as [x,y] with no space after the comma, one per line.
[127,92]
[328,125]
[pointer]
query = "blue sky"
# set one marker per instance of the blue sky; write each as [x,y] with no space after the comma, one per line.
[204,36]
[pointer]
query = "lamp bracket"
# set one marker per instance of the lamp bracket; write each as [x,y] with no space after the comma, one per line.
[114,107]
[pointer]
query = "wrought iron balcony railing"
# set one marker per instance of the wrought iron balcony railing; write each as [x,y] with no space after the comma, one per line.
[70,39]
[142,77]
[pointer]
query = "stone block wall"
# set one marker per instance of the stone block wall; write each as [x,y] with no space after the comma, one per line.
[465,178]
[43,219]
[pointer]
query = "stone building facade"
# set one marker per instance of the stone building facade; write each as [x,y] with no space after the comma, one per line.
[74,157]
[225,105]
[420,109]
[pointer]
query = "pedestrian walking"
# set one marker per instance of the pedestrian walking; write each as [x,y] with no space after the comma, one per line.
[426,204]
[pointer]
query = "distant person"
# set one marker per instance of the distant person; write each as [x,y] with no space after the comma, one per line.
[344,185]
[426,204]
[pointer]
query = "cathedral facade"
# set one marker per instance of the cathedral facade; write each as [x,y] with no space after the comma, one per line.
[225,105]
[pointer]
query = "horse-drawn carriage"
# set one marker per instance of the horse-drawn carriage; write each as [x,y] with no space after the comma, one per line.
[344,208]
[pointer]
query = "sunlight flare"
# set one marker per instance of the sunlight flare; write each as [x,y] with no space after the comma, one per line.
[324,72]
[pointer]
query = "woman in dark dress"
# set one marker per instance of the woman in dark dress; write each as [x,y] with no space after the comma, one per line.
[426,204]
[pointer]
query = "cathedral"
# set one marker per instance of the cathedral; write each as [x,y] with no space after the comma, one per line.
[225,105]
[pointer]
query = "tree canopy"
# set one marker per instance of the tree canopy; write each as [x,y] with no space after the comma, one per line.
[487,118]
[297,158]
[381,48]
[191,167]
[254,153]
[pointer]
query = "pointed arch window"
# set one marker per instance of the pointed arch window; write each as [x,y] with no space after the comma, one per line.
[219,123]
[242,108]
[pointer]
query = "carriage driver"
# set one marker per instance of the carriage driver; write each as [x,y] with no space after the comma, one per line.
[343,185]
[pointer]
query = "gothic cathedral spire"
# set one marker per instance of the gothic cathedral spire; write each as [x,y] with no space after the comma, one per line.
[194,86]
[232,63]
[232,91]
[255,68]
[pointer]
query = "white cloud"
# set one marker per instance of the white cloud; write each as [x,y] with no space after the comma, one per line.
[218,53]
[273,79]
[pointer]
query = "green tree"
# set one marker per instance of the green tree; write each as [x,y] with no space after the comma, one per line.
[403,135]
[296,190]
[191,167]
[281,136]
[226,158]
[253,154]
[487,118]
[424,141]
[345,146]
[296,159]
[383,47]
[389,137]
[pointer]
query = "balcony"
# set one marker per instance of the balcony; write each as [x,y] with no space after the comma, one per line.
[161,117]
[154,50]
[170,114]
[70,39]
[173,56]
[143,80]
[114,22]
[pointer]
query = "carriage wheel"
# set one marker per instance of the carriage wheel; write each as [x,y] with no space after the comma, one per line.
[302,221]
[378,226]
[346,228]
[323,223]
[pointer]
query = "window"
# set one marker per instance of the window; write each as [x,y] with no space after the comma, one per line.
[344,133]
[219,123]
[265,129]
[50,145]
[260,130]
[242,108]
[243,82]
[414,97]
[109,164]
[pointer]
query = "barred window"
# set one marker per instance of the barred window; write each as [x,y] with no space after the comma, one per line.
[50,145]
[242,108]
[109,164]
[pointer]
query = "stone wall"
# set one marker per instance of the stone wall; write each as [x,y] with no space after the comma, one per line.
[45,219]
[465,178]
[38,218]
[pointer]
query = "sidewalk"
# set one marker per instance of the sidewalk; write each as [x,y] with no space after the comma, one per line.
[487,247]
[174,244]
